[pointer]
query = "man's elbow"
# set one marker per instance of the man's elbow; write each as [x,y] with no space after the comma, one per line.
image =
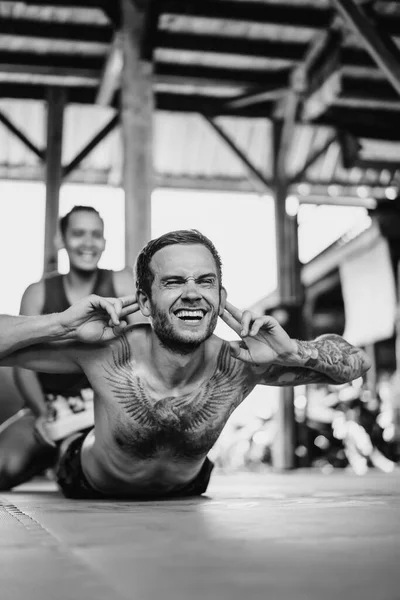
[360,363]
[366,363]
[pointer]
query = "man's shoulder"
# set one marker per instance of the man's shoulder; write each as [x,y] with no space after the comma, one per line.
[135,336]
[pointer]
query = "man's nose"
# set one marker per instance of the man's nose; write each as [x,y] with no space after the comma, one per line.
[190,290]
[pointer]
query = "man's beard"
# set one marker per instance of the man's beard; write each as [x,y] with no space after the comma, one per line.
[172,339]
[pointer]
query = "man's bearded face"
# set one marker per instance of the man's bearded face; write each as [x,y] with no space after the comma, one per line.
[186,296]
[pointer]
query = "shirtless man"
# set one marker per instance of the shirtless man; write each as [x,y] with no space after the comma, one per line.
[66,399]
[164,390]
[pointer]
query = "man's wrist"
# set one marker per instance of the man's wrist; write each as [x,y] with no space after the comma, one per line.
[58,329]
[307,353]
[304,353]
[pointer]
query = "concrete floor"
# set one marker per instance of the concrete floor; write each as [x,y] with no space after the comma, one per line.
[300,536]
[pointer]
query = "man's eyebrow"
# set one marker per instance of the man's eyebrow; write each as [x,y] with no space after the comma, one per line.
[182,278]
[167,277]
[207,275]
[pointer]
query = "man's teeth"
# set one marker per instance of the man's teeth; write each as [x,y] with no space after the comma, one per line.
[190,314]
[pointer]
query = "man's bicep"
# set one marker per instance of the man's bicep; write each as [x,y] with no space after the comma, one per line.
[46,358]
[277,375]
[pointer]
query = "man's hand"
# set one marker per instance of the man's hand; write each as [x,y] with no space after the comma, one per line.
[95,319]
[263,341]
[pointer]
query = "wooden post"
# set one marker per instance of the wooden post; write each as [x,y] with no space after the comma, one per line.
[137,126]
[56,99]
[283,452]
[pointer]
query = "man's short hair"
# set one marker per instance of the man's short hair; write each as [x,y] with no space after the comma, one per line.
[64,221]
[144,274]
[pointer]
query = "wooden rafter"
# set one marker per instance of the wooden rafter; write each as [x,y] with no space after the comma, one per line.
[86,150]
[312,159]
[381,49]
[277,13]
[112,72]
[21,136]
[254,174]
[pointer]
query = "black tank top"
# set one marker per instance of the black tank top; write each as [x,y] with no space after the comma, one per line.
[55,300]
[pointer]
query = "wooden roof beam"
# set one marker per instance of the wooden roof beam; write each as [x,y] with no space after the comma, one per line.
[63,77]
[322,65]
[312,159]
[112,72]
[110,8]
[278,13]
[90,146]
[380,47]
[260,182]
[281,14]
[22,137]
[322,97]
[284,134]
[352,58]
[256,97]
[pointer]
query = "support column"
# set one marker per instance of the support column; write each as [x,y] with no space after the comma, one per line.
[289,291]
[56,100]
[137,105]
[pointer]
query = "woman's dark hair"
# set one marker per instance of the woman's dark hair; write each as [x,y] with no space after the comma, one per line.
[64,221]
[144,274]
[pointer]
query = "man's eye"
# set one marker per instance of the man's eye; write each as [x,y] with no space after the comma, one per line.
[172,282]
[207,282]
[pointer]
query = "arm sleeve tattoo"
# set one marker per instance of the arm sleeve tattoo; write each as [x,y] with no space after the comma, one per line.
[328,359]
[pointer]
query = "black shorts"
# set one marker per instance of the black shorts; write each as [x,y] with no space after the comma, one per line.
[73,483]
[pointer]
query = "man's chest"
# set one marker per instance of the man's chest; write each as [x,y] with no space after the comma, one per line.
[187,424]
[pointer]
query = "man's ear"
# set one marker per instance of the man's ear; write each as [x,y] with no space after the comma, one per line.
[222,303]
[144,303]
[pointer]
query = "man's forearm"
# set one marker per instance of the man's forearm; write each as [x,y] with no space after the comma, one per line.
[332,356]
[20,332]
[328,359]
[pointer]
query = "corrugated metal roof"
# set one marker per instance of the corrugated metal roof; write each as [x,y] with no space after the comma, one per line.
[184,146]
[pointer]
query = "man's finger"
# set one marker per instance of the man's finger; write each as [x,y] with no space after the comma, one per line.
[129,300]
[110,309]
[235,312]
[258,323]
[239,352]
[113,331]
[247,319]
[231,322]
[130,309]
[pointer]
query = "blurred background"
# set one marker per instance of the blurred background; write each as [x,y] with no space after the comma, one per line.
[272,127]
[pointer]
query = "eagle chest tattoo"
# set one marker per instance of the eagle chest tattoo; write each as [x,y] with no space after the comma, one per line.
[187,425]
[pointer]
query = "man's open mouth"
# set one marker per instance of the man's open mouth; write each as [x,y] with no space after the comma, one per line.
[190,315]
